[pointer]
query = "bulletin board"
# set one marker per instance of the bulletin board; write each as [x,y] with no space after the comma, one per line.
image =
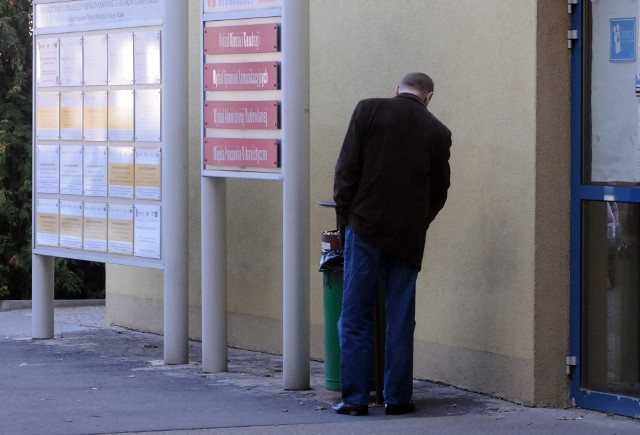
[241,82]
[97,135]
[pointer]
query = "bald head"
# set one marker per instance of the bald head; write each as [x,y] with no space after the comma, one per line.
[419,84]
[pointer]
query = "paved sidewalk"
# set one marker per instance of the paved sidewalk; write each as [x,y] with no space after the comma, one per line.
[96,379]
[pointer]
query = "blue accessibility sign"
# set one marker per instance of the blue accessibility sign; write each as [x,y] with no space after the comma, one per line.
[623,39]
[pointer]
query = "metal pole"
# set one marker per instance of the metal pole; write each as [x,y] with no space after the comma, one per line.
[174,181]
[214,274]
[295,152]
[42,291]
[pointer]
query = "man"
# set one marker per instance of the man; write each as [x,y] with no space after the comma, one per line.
[391,181]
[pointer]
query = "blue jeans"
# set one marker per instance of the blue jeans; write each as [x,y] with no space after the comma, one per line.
[364,265]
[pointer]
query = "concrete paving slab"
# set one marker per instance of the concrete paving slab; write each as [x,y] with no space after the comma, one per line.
[104,380]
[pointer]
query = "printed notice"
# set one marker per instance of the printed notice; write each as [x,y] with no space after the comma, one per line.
[147,122]
[147,175]
[47,214]
[95,171]
[71,224]
[71,61]
[47,168]
[71,169]
[147,57]
[121,115]
[95,116]
[47,116]
[95,226]
[121,172]
[47,62]
[120,59]
[147,231]
[95,60]
[71,115]
[120,229]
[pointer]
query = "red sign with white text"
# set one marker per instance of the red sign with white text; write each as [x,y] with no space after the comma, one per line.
[242,76]
[255,115]
[251,153]
[253,38]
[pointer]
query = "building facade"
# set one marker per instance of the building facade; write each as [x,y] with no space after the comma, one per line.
[496,304]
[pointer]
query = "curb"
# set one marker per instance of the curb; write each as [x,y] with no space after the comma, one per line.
[10,305]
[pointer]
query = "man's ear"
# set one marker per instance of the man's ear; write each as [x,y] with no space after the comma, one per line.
[428,98]
[397,89]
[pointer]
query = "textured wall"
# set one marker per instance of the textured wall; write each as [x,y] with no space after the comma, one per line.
[477,293]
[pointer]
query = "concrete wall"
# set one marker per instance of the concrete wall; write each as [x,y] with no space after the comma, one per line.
[494,280]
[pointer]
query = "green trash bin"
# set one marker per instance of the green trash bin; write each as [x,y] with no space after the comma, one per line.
[333,282]
[333,285]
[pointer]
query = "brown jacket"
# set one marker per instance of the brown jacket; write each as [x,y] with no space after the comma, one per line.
[393,174]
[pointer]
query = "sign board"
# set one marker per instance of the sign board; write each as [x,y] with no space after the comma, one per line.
[253,115]
[211,6]
[623,39]
[241,153]
[245,76]
[250,38]
[98,142]
[76,13]
[242,131]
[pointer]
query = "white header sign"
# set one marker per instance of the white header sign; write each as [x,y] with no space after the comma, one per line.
[239,5]
[95,12]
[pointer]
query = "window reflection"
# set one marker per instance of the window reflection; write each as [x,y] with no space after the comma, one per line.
[611,278]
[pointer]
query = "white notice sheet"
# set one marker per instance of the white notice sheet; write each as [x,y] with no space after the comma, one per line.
[120,229]
[47,214]
[95,226]
[95,116]
[121,115]
[71,169]
[71,115]
[71,61]
[95,171]
[120,58]
[147,57]
[148,107]
[95,60]
[71,224]
[121,172]
[147,175]
[147,231]
[47,168]
[47,116]
[47,61]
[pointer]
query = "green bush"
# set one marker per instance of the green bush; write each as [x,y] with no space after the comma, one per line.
[74,279]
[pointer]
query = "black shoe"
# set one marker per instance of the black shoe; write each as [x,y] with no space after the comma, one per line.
[346,408]
[391,409]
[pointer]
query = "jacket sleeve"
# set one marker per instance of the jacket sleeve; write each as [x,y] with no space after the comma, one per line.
[440,176]
[348,169]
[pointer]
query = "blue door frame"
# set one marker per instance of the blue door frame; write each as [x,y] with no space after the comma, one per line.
[580,192]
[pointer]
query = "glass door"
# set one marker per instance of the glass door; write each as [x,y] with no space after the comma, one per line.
[605,247]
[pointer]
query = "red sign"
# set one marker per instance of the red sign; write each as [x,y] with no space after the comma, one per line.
[257,115]
[254,38]
[244,76]
[245,153]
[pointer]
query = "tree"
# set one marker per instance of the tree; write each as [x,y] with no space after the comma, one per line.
[15,148]
[73,278]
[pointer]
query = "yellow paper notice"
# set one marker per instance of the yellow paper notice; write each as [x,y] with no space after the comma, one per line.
[47,223]
[120,230]
[71,117]
[47,118]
